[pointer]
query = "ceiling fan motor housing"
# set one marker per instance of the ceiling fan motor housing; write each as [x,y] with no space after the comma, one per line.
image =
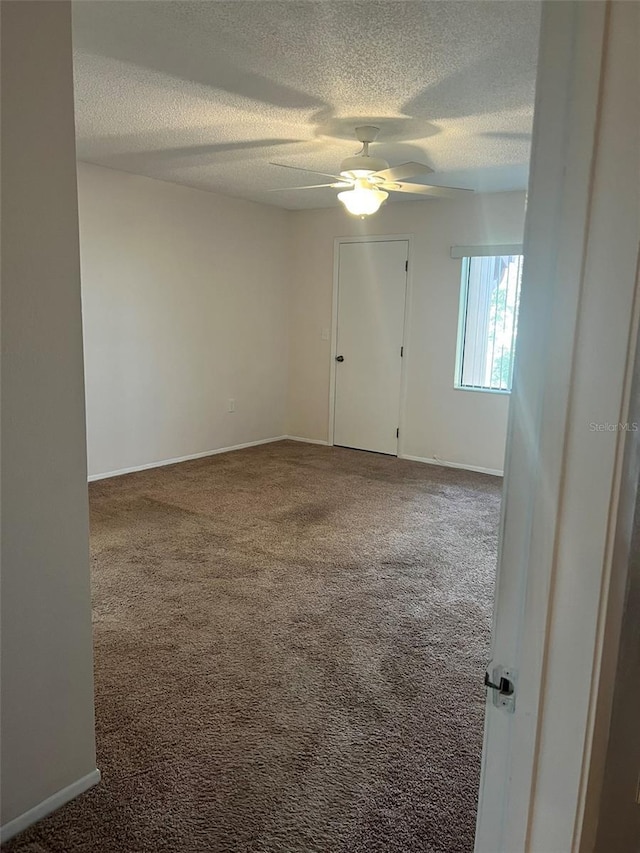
[362,165]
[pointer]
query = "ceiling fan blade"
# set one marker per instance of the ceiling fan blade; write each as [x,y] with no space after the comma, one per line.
[404,171]
[309,171]
[423,189]
[309,187]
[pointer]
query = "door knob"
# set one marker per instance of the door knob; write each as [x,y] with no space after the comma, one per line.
[339,358]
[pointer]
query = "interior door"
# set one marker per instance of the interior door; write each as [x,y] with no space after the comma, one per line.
[558,586]
[372,284]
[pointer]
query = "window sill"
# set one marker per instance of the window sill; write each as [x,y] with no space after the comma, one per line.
[499,391]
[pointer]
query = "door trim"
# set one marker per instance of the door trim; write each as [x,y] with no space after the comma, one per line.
[377,238]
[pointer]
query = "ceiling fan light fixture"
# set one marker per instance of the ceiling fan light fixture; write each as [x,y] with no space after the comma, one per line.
[362,200]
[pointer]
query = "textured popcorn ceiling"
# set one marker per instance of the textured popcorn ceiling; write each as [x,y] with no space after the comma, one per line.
[207,93]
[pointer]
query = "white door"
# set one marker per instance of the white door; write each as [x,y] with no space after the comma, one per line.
[372,284]
[557,584]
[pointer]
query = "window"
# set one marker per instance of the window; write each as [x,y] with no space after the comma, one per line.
[489,302]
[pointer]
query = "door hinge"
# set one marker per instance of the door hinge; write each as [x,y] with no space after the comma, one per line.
[398,433]
[406,266]
[504,690]
[401,352]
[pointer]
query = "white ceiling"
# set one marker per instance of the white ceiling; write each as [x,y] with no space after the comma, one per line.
[207,93]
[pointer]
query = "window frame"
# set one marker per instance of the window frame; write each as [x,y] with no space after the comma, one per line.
[465,254]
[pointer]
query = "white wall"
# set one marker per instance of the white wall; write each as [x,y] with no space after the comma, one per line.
[466,427]
[185,305]
[47,683]
[190,298]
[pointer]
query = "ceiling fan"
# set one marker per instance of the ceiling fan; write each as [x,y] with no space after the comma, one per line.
[367,180]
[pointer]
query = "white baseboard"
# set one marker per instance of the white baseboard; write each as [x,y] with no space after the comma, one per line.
[51,804]
[306,440]
[496,472]
[147,466]
[162,462]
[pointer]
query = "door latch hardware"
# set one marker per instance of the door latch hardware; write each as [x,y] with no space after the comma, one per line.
[504,686]
[500,681]
[339,358]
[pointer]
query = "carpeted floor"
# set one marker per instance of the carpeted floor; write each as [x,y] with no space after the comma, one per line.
[289,649]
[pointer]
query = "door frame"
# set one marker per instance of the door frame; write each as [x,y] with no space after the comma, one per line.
[373,238]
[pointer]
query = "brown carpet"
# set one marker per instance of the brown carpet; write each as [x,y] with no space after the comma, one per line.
[289,646]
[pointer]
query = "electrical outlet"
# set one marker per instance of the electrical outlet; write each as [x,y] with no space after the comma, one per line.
[231,406]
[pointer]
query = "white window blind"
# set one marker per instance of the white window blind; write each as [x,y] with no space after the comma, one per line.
[486,251]
[489,302]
